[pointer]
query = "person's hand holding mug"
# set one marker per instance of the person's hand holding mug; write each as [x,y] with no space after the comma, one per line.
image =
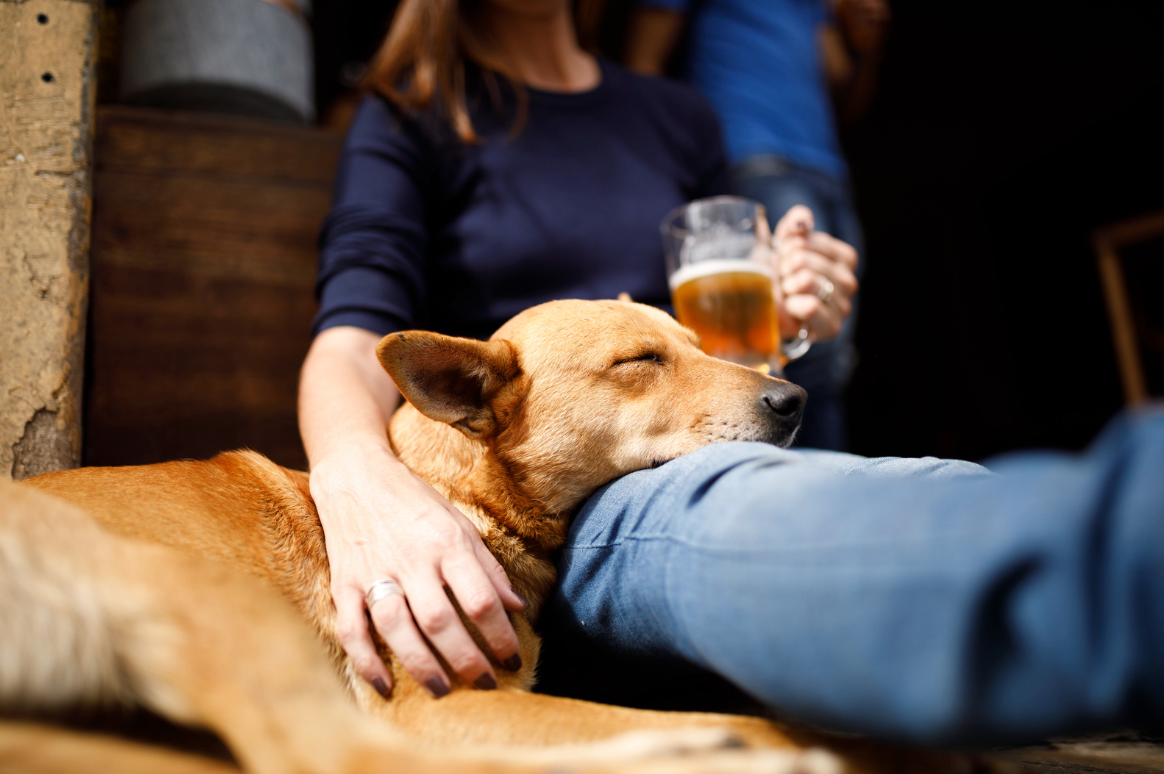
[815,277]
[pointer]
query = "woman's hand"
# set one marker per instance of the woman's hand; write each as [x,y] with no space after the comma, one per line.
[381,521]
[815,280]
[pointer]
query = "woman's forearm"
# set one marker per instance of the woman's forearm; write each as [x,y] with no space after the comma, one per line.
[345,397]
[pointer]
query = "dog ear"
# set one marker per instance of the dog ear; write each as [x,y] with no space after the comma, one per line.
[451,380]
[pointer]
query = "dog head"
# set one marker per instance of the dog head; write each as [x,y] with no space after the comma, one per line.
[571,394]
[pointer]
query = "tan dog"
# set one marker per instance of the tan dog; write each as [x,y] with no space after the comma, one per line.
[92,621]
[516,432]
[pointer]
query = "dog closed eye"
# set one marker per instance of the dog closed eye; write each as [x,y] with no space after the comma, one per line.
[642,357]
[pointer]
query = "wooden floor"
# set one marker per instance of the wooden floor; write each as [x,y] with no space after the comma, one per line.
[1127,753]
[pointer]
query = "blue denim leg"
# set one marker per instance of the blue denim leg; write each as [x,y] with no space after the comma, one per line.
[826,369]
[921,600]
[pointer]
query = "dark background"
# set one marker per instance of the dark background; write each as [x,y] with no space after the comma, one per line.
[1002,135]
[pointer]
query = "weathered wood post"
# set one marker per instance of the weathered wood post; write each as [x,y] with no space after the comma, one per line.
[47,64]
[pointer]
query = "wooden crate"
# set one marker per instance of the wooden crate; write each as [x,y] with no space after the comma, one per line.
[203,262]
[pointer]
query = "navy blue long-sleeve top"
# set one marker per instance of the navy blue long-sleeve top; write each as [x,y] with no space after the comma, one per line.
[429,232]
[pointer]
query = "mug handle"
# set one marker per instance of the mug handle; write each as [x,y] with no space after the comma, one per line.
[797,348]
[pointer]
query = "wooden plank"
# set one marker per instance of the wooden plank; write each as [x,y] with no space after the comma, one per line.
[215,227]
[1123,330]
[1133,230]
[203,270]
[161,141]
[46,108]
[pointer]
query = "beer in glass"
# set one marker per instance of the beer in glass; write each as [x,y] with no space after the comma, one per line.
[720,272]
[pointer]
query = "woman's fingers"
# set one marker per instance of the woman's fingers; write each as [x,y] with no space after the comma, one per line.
[356,640]
[820,303]
[393,620]
[817,280]
[425,607]
[823,322]
[482,605]
[830,283]
[831,247]
[509,598]
[836,256]
[438,620]
[798,221]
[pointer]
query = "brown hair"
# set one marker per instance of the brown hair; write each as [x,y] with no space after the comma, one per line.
[422,59]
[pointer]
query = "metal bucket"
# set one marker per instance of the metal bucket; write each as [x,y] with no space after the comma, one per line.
[239,57]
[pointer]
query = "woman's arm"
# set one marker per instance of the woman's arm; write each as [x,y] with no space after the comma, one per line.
[382,521]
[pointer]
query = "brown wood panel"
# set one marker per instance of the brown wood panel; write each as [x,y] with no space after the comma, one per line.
[163,141]
[203,264]
[222,228]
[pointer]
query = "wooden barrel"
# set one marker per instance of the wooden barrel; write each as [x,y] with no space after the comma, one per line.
[237,57]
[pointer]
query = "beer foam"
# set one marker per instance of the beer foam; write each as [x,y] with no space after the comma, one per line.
[704,268]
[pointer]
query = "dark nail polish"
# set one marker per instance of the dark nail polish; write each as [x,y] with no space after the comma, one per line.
[380,686]
[485,682]
[521,599]
[437,687]
[513,663]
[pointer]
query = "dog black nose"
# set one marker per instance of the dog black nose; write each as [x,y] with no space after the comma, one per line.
[783,405]
[786,400]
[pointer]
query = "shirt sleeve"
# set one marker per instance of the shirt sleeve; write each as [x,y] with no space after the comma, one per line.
[374,241]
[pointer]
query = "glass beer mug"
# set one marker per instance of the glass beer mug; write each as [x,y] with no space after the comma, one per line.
[719,265]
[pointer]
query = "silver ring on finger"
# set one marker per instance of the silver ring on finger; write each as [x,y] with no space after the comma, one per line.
[385,587]
[824,290]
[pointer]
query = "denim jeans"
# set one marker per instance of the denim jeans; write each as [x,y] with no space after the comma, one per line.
[921,600]
[825,370]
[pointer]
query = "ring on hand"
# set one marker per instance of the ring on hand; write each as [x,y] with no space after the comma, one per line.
[824,290]
[384,587]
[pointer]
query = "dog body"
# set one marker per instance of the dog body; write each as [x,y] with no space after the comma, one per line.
[97,621]
[516,432]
